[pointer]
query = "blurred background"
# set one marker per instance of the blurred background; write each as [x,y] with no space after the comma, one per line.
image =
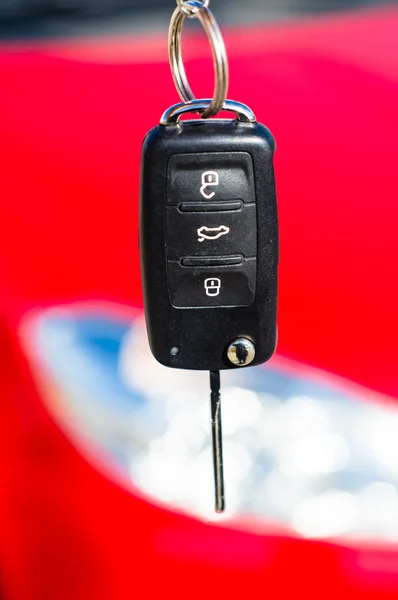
[38,18]
[105,457]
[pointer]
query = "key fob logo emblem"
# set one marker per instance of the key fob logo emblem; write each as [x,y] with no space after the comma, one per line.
[213,286]
[209,178]
[211,233]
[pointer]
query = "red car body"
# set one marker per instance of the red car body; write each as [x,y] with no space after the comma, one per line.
[72,118]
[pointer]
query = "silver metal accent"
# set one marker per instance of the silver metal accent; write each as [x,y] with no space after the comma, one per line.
[190,13]
[200,10]
[215,399]
[241,352]
[172,115]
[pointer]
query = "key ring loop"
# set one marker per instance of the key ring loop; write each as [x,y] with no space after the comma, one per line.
[201,11]
[190,13]
[172,115]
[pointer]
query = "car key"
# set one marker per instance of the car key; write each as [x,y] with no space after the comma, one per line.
[208,233]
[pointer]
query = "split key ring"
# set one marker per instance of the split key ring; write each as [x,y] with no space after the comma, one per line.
[201,11]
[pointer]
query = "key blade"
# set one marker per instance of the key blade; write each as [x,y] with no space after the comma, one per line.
[215,399]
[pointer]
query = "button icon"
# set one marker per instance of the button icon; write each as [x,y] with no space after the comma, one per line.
[213,286]
[211,233]
[209,178]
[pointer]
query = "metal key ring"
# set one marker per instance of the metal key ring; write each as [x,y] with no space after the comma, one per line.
[172,115]
[201,11]
[182,5]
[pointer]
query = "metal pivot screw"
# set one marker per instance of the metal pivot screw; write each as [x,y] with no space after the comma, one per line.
[241,352]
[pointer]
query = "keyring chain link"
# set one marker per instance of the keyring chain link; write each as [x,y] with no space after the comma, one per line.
[200,10]
[189,11]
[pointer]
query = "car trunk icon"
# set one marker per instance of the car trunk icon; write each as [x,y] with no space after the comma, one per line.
[211,233]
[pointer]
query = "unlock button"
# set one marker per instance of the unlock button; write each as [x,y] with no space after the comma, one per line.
[210,177]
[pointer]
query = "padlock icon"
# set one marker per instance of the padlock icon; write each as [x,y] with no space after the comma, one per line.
[212,286]
[209,178]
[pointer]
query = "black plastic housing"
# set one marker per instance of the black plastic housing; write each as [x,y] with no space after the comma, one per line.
[198,338]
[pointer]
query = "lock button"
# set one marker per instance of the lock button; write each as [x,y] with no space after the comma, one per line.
[210,177]
[212,286]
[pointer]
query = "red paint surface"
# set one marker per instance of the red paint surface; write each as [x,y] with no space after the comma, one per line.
[69,167]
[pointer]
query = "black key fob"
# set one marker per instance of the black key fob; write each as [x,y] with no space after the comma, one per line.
[209,240]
